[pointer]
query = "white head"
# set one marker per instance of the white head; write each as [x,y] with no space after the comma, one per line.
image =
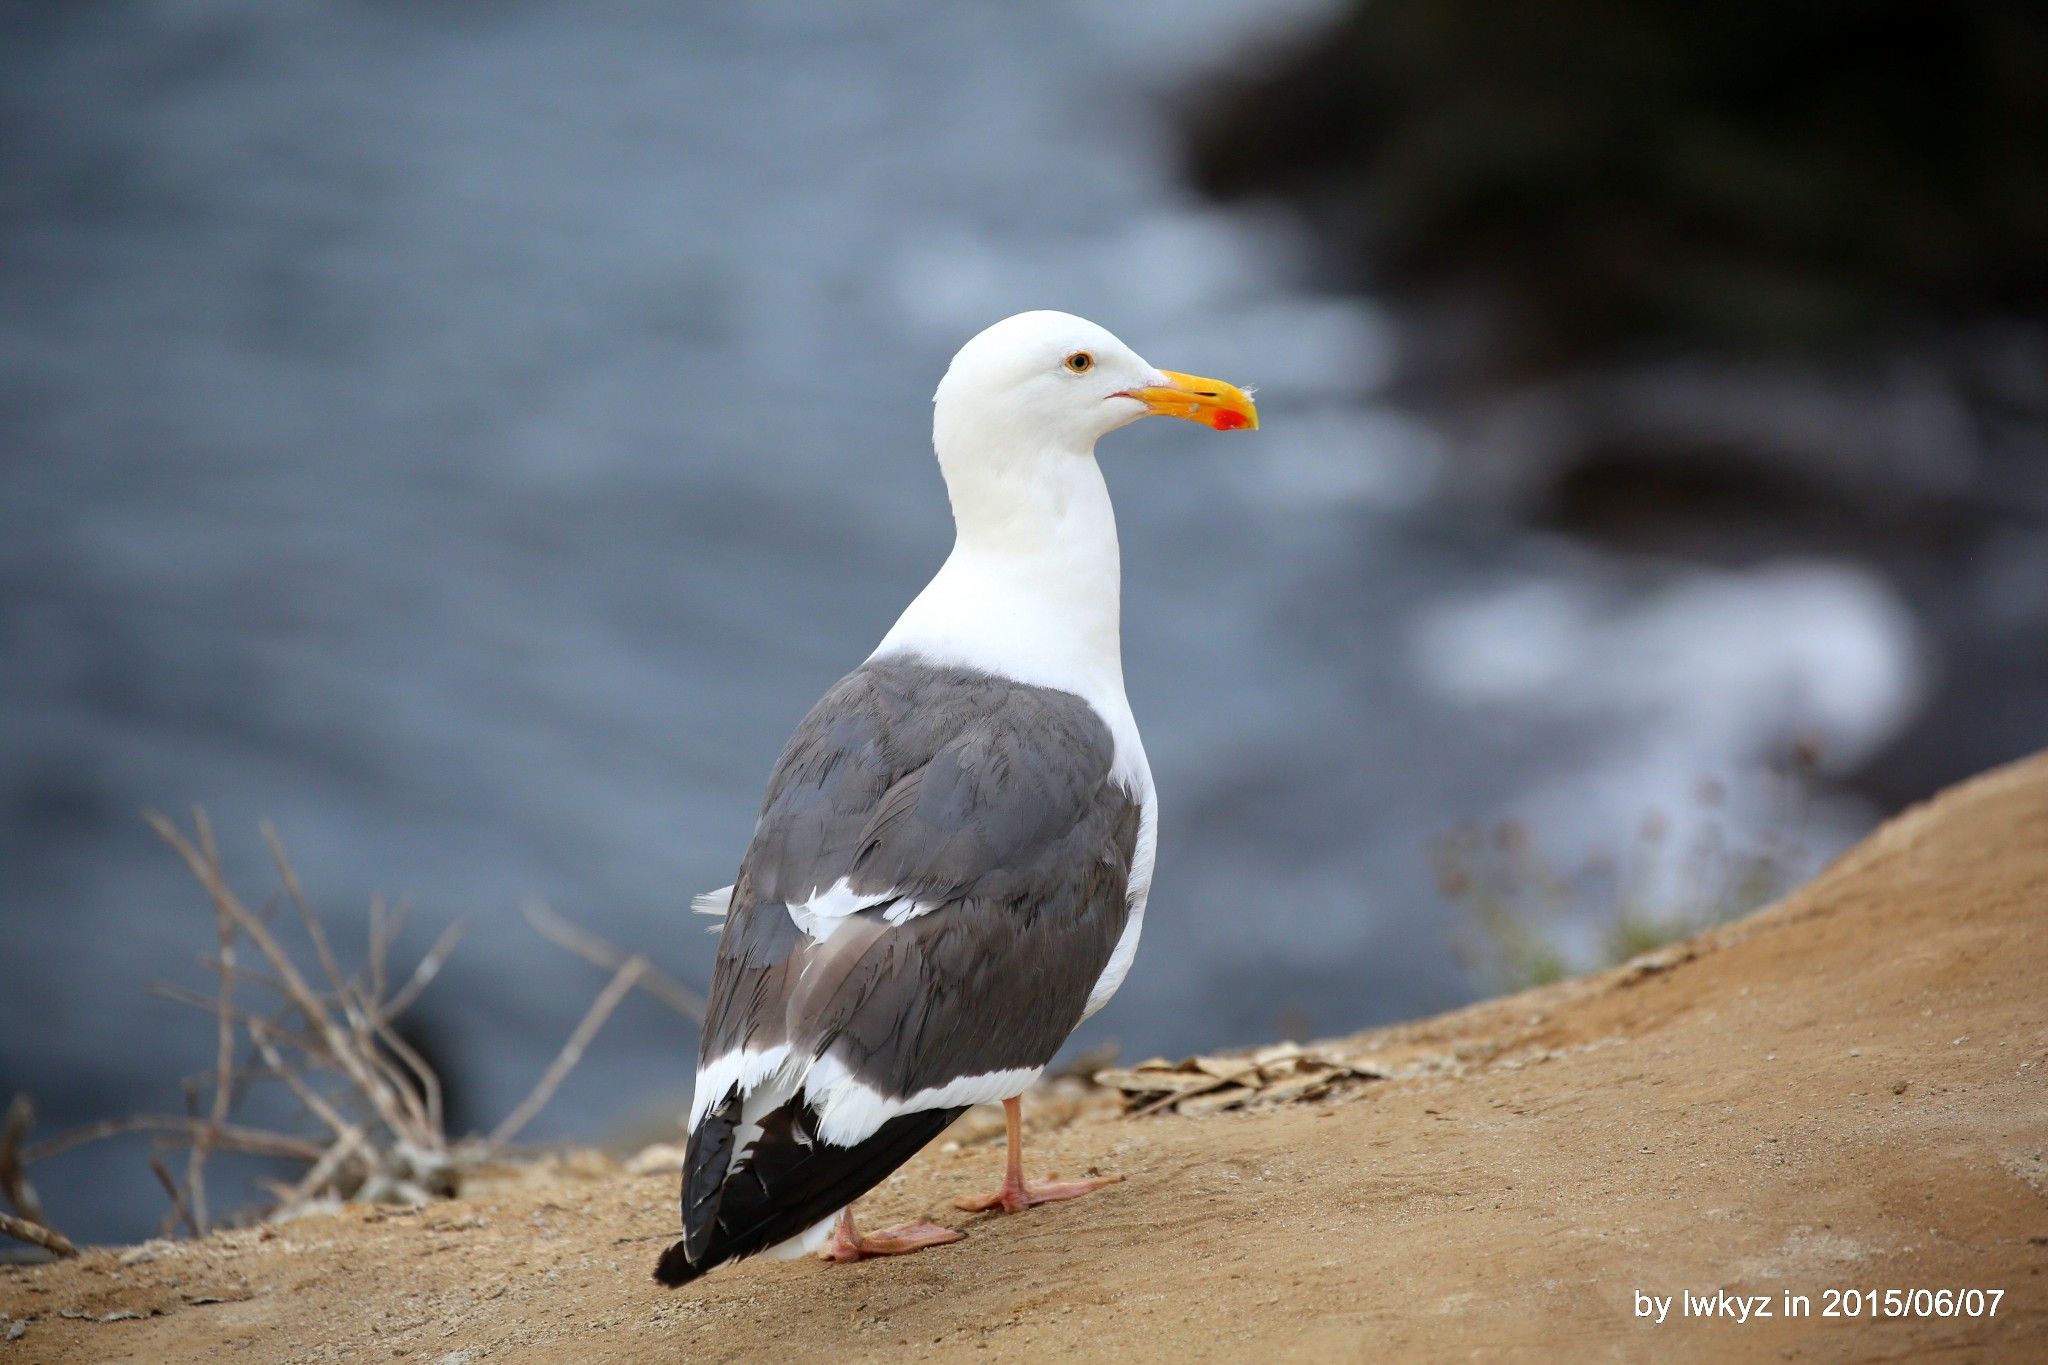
[1031,589]
[1045,384]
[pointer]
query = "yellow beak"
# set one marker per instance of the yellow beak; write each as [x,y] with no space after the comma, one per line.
[1211,402]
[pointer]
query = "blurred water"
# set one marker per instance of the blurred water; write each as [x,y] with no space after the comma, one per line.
[472,435]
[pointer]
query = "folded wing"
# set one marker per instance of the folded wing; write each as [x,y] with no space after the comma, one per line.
[940,875]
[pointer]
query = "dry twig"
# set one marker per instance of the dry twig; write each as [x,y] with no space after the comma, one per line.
[363,1067]
[14,1186]
[180,1212]
[35,1234]
[332,1044]
[572,1051]
[599,953]
[254,1141]
[429,967]
[28,1223]
[224,1063]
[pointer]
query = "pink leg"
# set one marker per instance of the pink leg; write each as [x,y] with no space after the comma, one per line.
[1017,1193]
[849,1243]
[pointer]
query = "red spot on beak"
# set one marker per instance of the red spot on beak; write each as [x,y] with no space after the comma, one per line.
[1226,420]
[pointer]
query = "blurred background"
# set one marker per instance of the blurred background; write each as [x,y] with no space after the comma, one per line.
[471,435]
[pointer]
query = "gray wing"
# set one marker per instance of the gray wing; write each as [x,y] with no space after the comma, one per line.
[975,822]
[960,857]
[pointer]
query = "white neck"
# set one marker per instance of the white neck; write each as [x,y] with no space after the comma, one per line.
[1031,590]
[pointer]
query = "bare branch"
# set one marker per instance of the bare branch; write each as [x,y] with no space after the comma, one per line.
[224,1060]
[178,995]
[243,973]
[572,1051]
[363,1029]
[49,1239]
[332,1045]
[429,1083]
[255,1141]
[323,1171]
[379,948]
[179,1209]
[429,967]
[21,1116]
[297,897]
[308,1096]
[366,1076]
[362,1017]
[597,952]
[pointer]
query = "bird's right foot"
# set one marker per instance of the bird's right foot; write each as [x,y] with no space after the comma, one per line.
[1023,1194]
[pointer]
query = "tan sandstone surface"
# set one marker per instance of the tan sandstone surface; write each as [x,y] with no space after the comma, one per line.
[1844,1092]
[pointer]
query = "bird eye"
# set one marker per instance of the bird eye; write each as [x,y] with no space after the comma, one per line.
[1080,362]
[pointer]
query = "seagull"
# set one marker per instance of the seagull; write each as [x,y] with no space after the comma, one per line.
[950,868]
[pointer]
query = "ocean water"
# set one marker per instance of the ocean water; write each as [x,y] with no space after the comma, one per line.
[470,436]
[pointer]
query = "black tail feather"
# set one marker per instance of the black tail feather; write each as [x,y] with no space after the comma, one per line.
[676,1269]
[705,1164]
[783,1183]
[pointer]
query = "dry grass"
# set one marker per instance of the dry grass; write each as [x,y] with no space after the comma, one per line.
[374,1128]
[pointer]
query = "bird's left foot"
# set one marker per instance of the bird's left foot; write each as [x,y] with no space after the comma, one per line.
[851,1244]
[1015,1197]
